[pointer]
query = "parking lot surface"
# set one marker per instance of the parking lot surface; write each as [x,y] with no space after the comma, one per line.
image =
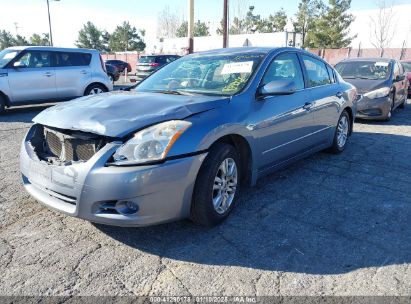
[328,225]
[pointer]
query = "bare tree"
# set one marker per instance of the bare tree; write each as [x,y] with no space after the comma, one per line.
[167,23]
[382,26]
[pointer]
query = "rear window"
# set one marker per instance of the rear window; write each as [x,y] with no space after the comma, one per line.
[147,59]
[72,59]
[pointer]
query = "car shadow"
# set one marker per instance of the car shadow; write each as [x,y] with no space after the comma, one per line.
[23,113]
[323,215]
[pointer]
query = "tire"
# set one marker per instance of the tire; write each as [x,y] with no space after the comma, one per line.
[207,207]
[2,105]
[94,89]
[389,114]
[402,105]
[345,127]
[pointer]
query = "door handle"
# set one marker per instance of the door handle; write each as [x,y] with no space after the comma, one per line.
[307,106]
[48,74]
[339,94]
[83,72]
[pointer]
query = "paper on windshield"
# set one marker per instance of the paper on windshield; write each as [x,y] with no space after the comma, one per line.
[237,67]
[10,55]
[379,63]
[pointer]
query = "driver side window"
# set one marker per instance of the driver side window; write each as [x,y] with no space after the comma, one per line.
[36,59]
[285,67]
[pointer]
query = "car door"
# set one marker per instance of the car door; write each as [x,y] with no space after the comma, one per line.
[73,73]
[32,78]
[325,97]
[282,124]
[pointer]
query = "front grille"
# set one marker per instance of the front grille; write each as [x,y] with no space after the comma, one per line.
[69,147]
[53,143]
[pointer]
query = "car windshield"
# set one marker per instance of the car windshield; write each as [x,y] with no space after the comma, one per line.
[407,66]
[6,56]
[204,74]
[373,70]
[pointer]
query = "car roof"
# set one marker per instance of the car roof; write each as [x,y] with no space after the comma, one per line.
[362,59]
[49,48]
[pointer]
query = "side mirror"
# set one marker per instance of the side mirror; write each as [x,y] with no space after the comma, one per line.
[399,78]
[19,64]
[277,87]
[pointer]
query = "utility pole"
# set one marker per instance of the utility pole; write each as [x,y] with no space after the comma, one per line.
[225,24]
[190,26]
[16,26]
[48,12]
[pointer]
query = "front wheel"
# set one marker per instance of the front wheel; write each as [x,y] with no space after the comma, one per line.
[341,133]
[217,186]
[2,104]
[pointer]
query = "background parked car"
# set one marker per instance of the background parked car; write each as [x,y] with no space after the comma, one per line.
[41,74]
[120,65]
[380,81]
[112,72]
[149,64]
[406,64]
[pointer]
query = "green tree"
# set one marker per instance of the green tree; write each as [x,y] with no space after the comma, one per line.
[90,37]
[20,40]
[6,39]
[126,38]
[252,23]
[308,12]
[274,23]
[200,29]
[331,29]
[38,40]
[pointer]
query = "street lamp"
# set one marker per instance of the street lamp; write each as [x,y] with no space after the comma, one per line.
[48,11]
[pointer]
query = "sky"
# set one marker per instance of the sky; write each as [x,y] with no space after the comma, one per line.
[68,16]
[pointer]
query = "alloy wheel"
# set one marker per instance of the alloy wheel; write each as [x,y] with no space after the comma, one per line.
[342,131]
[95,91]
[225,186]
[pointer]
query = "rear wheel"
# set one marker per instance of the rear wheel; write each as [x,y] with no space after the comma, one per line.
[217,186]
[2,104]
[341,133]
[95,89]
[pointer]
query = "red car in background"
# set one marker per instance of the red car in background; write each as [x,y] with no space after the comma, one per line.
[407,67]
[120,65]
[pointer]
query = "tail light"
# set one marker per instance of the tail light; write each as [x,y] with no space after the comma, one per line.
[154,64]
[103,66]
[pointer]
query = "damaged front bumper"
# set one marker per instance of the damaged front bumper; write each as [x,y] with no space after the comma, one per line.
[377,108]
[93,191]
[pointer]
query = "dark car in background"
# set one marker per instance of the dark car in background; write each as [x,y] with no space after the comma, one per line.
[406,64]
[381,82]
[149,64]
[120,65]
[112,72]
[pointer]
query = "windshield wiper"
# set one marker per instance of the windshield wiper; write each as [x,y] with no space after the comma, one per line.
[173,92]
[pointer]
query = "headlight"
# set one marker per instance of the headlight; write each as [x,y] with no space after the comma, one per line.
[378,93]
[151,144]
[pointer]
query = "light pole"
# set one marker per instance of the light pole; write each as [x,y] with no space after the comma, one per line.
[48,12]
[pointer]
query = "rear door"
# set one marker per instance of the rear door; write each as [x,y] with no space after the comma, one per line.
[73,73]
[325,98]
[35,80]
[400,85]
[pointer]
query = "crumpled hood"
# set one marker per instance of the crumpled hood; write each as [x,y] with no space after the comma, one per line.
[117,114]
[367,85]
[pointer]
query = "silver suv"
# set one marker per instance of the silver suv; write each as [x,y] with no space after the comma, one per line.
[41,74]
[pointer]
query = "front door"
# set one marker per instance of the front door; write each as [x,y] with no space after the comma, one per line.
[283,123]
[34,79]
